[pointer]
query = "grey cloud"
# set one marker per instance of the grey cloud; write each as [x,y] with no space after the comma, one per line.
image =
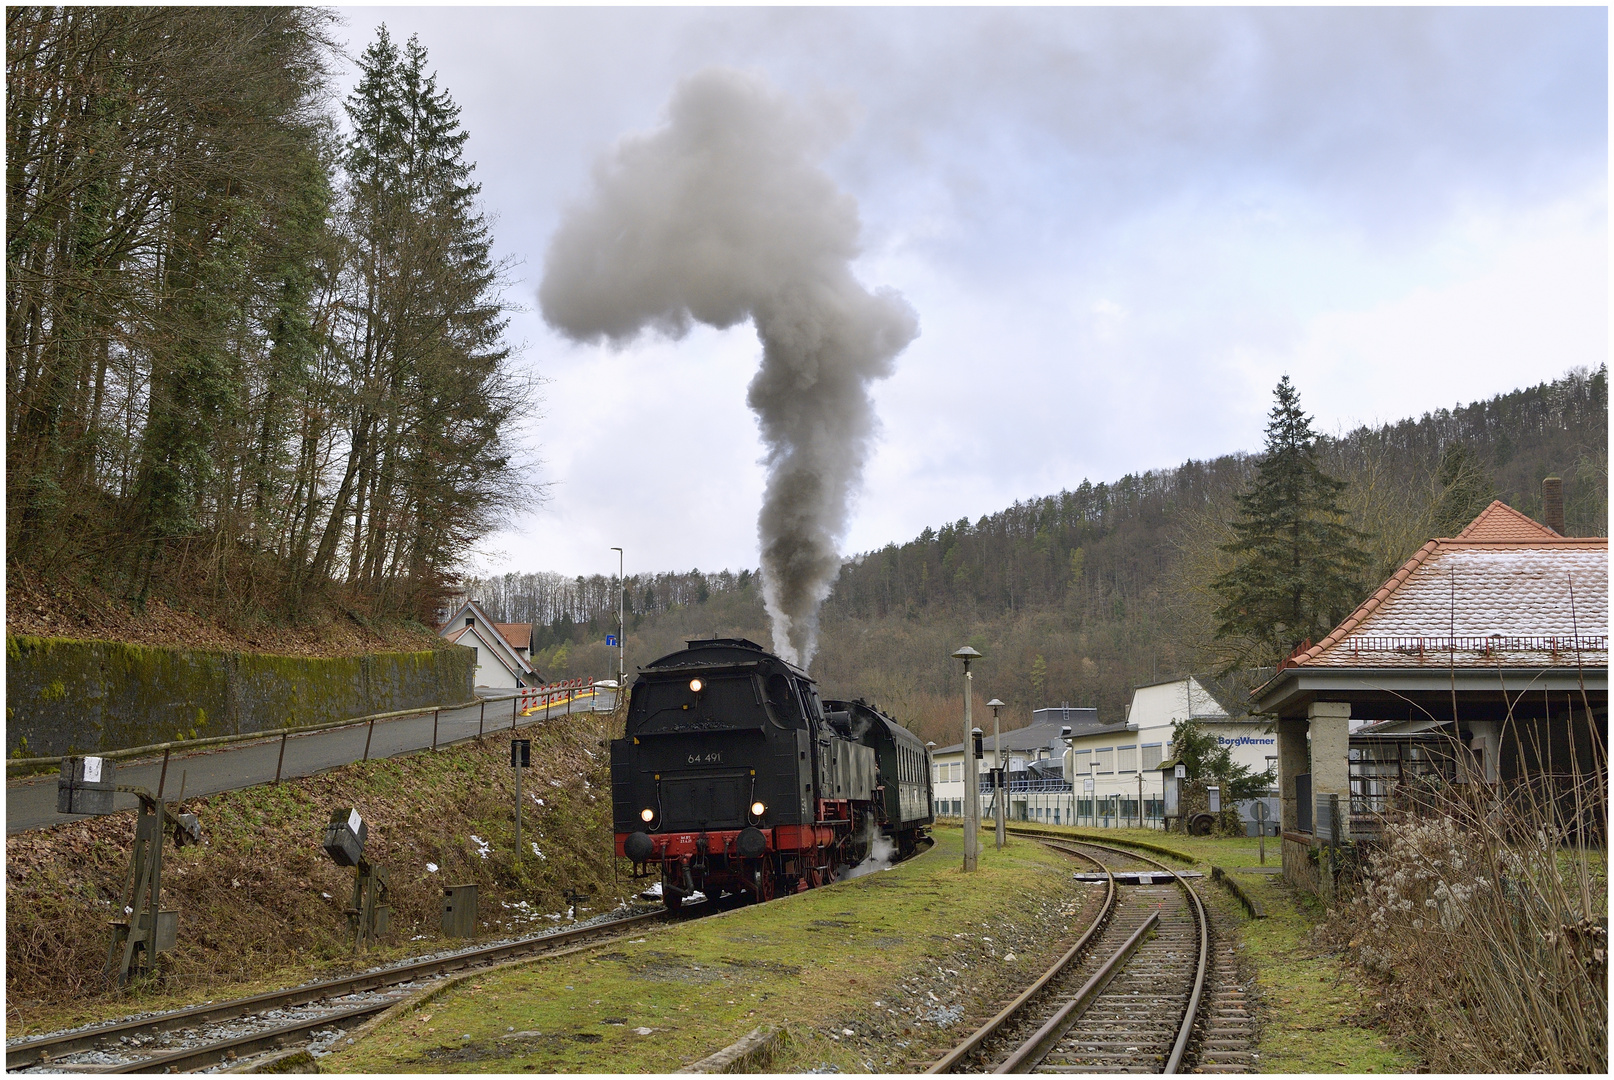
[719,216]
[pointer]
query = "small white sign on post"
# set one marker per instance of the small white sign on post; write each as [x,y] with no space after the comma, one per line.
[353,822]
[1087,783]
[1182,772]
[92,770]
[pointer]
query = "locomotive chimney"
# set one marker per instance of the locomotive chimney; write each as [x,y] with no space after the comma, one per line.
[1552,503]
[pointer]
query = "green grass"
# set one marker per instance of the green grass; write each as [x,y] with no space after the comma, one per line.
[815,963]
[1318,1016]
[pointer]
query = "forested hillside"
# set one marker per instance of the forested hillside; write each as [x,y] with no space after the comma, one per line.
[1081,595]
[254,336]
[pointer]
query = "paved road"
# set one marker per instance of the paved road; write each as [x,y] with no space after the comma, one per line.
[31,801]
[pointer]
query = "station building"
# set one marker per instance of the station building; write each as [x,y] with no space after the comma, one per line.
[1484,659]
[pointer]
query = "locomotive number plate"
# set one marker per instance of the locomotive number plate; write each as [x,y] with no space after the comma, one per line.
[713,758]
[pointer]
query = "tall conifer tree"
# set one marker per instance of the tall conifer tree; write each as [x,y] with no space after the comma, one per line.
[1299,563]
[427,468]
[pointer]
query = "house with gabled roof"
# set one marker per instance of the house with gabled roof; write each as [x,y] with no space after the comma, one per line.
[502,661]
[1484,659]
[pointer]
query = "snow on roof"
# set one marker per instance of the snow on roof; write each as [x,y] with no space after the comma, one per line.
[1505,592]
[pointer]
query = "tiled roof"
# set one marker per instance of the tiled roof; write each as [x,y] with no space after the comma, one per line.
[1499,523]
[517,634]
[456,635]
[1505,592]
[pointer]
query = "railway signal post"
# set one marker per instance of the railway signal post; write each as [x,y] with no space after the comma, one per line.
[972,779]
[520,758]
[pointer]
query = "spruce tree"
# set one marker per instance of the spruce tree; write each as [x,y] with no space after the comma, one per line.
[427,467]
[1299,564]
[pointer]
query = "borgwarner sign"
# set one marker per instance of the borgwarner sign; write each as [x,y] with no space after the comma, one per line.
[1246,740]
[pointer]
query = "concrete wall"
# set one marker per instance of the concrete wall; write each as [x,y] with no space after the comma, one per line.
[65,696]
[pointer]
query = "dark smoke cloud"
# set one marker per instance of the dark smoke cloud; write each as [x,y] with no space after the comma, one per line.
[719,216]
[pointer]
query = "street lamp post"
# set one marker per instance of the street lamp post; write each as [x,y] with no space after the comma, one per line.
[972,783]
[1000,783]
[621,625]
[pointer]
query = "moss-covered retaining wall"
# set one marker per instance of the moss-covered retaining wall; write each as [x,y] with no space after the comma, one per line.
[66,696]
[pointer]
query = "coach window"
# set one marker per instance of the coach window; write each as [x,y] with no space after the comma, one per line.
[1128,759]
[1105,759]
[1151,756]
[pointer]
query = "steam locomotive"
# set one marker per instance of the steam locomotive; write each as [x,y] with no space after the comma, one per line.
[733,775]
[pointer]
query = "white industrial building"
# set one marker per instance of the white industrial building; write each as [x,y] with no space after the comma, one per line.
[1090,773]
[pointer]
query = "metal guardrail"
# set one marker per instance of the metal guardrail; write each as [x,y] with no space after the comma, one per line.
[23,766]
[530,698]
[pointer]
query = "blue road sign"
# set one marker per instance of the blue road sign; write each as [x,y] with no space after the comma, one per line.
[610,639]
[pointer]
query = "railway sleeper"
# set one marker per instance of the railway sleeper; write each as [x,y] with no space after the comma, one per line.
[1098,1069]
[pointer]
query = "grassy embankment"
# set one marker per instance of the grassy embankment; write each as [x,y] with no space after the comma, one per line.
[1317,1014]
[261,905]
[881,973]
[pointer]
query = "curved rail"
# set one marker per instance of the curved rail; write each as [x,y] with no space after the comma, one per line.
[958,1053]
[1067,1019]
[44,1049]
[1185,1030]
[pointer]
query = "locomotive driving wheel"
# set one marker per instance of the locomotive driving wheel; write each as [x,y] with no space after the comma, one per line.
[766,886]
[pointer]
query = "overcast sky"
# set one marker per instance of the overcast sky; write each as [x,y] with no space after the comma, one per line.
[1118,229]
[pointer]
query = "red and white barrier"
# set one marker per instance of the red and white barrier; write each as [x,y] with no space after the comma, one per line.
[529,699]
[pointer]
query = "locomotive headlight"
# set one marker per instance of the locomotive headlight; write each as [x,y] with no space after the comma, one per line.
[647,815]
[695,685]
[757,809]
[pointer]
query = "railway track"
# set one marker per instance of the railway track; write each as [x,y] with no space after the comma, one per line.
[187,1040]
[1125,998]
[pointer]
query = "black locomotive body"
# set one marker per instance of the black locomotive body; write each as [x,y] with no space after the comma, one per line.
[733,775]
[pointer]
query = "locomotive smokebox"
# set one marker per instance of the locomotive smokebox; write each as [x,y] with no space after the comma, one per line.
[751,843]
[639,848]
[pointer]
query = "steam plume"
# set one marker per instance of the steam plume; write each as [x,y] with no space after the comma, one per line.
[719,216]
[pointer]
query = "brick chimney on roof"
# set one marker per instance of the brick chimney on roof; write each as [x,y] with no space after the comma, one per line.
[1552,503]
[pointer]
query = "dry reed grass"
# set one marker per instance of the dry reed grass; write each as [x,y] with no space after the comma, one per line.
[1485,914]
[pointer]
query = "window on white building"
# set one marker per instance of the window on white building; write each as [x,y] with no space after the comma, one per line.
[1105,759]
[958,772]
[1128,756]
[1151,756]
[1082,763]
